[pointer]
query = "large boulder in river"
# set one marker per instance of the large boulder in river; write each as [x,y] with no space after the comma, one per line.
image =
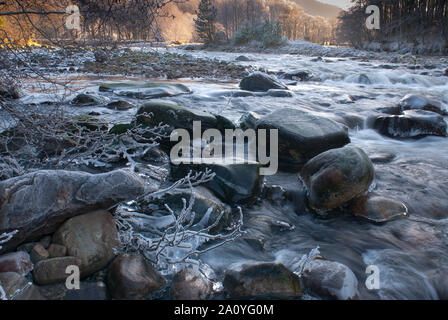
[303,135]
[178,117]
[132,277]
[411,124]
[261,82]
[236,181]
[263,280]
[38,203]
[145,90]
[330,280]
[337,176]
[92,237]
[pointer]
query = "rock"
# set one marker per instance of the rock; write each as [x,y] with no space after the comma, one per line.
[39,202]
[303,135]
[377,209]
[45,241]
[242,58]
[264,280]
[88,291]
[317,59]
[176,117]
[204,200]
[275,194]
[363,79]
[39,253]
[53,270]
[301,75]
[26,247]
[92,237]
[120,105]
[57,250]
[337,176]
[382,157]
[331,280]
[417,102]
[238,182]
[131,277]
[18,262]
[259,81]
[101,56]
[412,124]
[145,90]
[120,128]
[190,284]
[89,99]
[248,120]
[17,287]
[276,93]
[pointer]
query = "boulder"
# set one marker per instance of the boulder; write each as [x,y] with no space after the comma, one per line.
[330,280]
[38,203]
[176,117]
[411,124]
[337,176]
[132,277]
[378,209]
[418,102]
[263,280]
[277,93]
[89,99]
[303,135]
[145,90]
[17,287]
[53,270]
[261,82]
[242,58]
[18,262]
[238,182]
[120,105]
[91,237]
[190,284]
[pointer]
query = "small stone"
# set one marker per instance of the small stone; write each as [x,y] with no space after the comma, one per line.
[57,250]
[190,284]
[54,270]
[19,262]
[377,209]
[39,253]
[132,277]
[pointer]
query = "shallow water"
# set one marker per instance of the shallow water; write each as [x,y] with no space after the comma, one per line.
[411,253]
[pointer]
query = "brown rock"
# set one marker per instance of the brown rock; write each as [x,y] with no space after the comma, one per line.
[53,270]
[92,237]
[57,250]
[190,284]
[39,253]
[377,209]
[19,262]
[132,277]
[268,280]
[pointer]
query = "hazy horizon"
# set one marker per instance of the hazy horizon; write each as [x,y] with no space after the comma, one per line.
[344,4]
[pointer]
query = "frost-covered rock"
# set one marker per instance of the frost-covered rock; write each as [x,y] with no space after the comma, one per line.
[331,280]
[411,124]
[38,203]
[17,287]
[337,176]
[418,102]
[87,99]
[18,262]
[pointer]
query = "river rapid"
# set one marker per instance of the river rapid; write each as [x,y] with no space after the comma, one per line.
[411,253]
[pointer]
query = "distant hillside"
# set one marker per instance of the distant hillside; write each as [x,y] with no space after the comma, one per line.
[316,8]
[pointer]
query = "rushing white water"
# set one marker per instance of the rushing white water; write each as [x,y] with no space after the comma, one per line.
[411,253]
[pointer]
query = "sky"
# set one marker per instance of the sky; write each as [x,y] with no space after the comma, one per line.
[340,3]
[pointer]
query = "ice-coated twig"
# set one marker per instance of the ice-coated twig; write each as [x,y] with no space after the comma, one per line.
[306,260]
